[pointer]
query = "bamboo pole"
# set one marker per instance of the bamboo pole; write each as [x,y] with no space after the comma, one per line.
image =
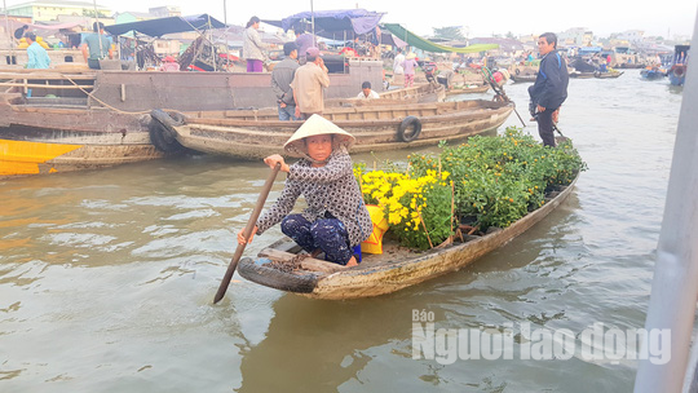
[9,34]
[99,31]
[227,48]
[424,225]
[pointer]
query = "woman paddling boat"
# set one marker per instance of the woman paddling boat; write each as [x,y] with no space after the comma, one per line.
[336,220]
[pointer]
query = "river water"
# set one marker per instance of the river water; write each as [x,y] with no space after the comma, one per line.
[107,277]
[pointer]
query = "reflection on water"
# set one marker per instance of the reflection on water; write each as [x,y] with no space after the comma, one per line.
[107,277]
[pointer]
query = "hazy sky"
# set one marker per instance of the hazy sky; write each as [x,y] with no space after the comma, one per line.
[479,18]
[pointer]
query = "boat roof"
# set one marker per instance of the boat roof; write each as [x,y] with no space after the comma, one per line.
[359,21]
[162,26]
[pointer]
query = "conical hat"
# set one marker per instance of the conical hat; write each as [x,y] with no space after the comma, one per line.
[411,55]
[317,125]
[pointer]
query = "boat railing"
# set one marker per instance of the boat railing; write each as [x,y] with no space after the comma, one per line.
[44,82]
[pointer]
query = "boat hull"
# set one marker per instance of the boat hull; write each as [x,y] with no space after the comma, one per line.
[383,277]
[40,140]
[608,75]
[467,90]
[524,78]
[677,75]
[59,121]
[375,128]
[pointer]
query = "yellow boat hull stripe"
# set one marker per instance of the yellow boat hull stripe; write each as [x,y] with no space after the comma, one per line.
[25,158]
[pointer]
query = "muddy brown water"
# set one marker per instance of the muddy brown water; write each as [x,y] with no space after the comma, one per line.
[107,277]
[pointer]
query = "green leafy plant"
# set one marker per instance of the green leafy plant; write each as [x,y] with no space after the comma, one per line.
[491,182]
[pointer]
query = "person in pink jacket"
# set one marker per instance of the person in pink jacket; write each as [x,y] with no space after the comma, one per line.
[409,65]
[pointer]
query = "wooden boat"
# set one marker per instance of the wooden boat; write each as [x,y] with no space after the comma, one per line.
[425,92]
[652,74]
[467,89]
[278,266]
[524,78]
[62,120]
[581,75]
[257,134]
[630,65]
[608,75]
[679,65]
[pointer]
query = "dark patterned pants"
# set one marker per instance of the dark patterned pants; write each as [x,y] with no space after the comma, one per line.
[327,234]
[545,127]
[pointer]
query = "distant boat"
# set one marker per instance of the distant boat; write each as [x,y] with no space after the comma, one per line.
[652,74]
[608,74]
[581,75]
[677,72]
[467,89]
[523,78]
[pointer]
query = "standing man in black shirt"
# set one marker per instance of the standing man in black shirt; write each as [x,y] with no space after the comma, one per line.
[550,89]
[281,77]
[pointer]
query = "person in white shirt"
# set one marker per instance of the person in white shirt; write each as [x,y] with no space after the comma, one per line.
[398,70]
[366,92]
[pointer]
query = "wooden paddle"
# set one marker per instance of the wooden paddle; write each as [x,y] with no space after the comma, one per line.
[248,229]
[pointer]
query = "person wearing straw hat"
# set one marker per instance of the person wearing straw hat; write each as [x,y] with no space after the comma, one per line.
[336,220]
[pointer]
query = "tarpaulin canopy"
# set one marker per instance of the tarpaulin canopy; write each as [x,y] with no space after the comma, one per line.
[430,46]
[327,23]
[43,29]
[169,25]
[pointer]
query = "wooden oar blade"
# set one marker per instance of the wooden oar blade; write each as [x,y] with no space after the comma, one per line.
[248,230]
[223,287]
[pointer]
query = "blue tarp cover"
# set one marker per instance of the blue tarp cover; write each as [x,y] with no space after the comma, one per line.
[590,49]
[169,25]
[357,20]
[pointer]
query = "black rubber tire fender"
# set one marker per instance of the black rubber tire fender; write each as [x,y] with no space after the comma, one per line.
[162,133]
[517,71]
[412,122]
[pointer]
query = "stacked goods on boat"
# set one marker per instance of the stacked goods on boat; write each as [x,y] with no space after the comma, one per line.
[487,183]
[443,212]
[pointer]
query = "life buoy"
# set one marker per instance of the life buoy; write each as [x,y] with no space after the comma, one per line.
[162,133]
[409,122]
[679,71]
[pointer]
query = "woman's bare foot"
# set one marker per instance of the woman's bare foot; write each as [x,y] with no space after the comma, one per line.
[352,262]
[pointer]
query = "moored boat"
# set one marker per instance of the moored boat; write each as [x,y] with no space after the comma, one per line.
[467,89]
[652,74]
[524,78]
[608,74]
[581,75]
[257,134]
[278,266]
[679,66]
[425,92]
[60,121]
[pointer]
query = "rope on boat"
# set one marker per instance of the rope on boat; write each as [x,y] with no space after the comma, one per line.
[91,95]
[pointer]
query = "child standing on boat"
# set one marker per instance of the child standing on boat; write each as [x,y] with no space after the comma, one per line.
[336,220]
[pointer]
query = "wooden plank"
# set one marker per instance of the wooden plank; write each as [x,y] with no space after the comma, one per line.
[65,77]
[307,263]
[40,86]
